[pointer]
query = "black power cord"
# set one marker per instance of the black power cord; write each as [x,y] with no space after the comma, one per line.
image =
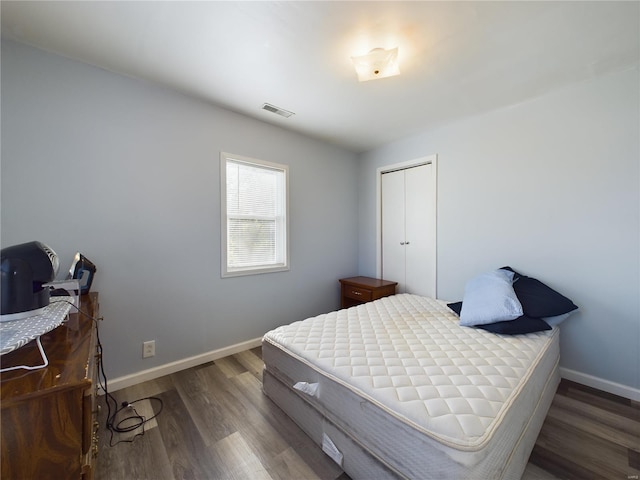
[130,422]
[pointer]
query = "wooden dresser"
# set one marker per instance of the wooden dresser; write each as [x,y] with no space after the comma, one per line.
[49,416]
[357,290]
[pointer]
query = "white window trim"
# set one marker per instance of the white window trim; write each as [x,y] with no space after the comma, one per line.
[225,271]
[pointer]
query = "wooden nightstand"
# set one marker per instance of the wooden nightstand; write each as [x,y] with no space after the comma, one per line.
[357,290]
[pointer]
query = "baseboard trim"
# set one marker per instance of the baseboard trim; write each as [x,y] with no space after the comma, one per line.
[601,384]
[168,368]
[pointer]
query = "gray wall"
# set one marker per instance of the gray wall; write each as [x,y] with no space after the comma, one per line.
[128,173]
[550,187]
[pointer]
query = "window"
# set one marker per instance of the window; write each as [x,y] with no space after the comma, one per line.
[255,230]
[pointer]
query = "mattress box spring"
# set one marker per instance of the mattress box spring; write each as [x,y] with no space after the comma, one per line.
[422,440]
[354,459]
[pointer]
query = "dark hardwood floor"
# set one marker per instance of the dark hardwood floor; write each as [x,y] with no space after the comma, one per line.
[589,434]
[216,423]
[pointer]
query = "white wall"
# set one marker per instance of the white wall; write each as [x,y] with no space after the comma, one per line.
[550,187]
[128,173]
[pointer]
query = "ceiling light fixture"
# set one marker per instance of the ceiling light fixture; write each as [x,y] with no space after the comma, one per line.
[378,63]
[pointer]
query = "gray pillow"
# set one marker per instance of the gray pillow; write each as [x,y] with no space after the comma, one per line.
[490,298]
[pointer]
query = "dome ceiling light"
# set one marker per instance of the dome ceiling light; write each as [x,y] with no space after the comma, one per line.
[378,63]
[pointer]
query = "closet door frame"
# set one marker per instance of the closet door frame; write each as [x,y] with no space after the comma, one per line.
[430,159]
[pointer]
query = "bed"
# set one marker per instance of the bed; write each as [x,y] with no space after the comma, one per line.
[397,388]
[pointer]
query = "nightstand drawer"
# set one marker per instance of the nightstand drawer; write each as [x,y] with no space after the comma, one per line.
[357,293]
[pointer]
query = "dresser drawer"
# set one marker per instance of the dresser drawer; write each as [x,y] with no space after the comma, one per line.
[357,293]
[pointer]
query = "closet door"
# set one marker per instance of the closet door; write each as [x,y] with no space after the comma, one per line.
[420,230]
[408,229]
[393,216]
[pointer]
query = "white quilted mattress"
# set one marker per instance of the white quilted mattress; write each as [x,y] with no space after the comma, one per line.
[408,356]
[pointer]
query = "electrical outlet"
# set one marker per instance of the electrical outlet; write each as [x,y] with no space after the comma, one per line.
[148,349]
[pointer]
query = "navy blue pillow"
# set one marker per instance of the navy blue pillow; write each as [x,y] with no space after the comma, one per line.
[456,307]
[537,299]
[520,325]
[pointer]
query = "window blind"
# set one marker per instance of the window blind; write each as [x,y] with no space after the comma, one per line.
[256,209]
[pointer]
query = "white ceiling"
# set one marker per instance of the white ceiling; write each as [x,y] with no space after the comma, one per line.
[457,58]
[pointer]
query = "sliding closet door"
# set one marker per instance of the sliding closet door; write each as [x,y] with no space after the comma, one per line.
[409,229]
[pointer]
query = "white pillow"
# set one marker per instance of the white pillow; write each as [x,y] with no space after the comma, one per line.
[489,298]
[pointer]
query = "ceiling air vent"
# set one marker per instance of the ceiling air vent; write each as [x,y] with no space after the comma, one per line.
[273,109]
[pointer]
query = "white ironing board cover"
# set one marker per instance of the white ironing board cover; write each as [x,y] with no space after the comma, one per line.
[16,333]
